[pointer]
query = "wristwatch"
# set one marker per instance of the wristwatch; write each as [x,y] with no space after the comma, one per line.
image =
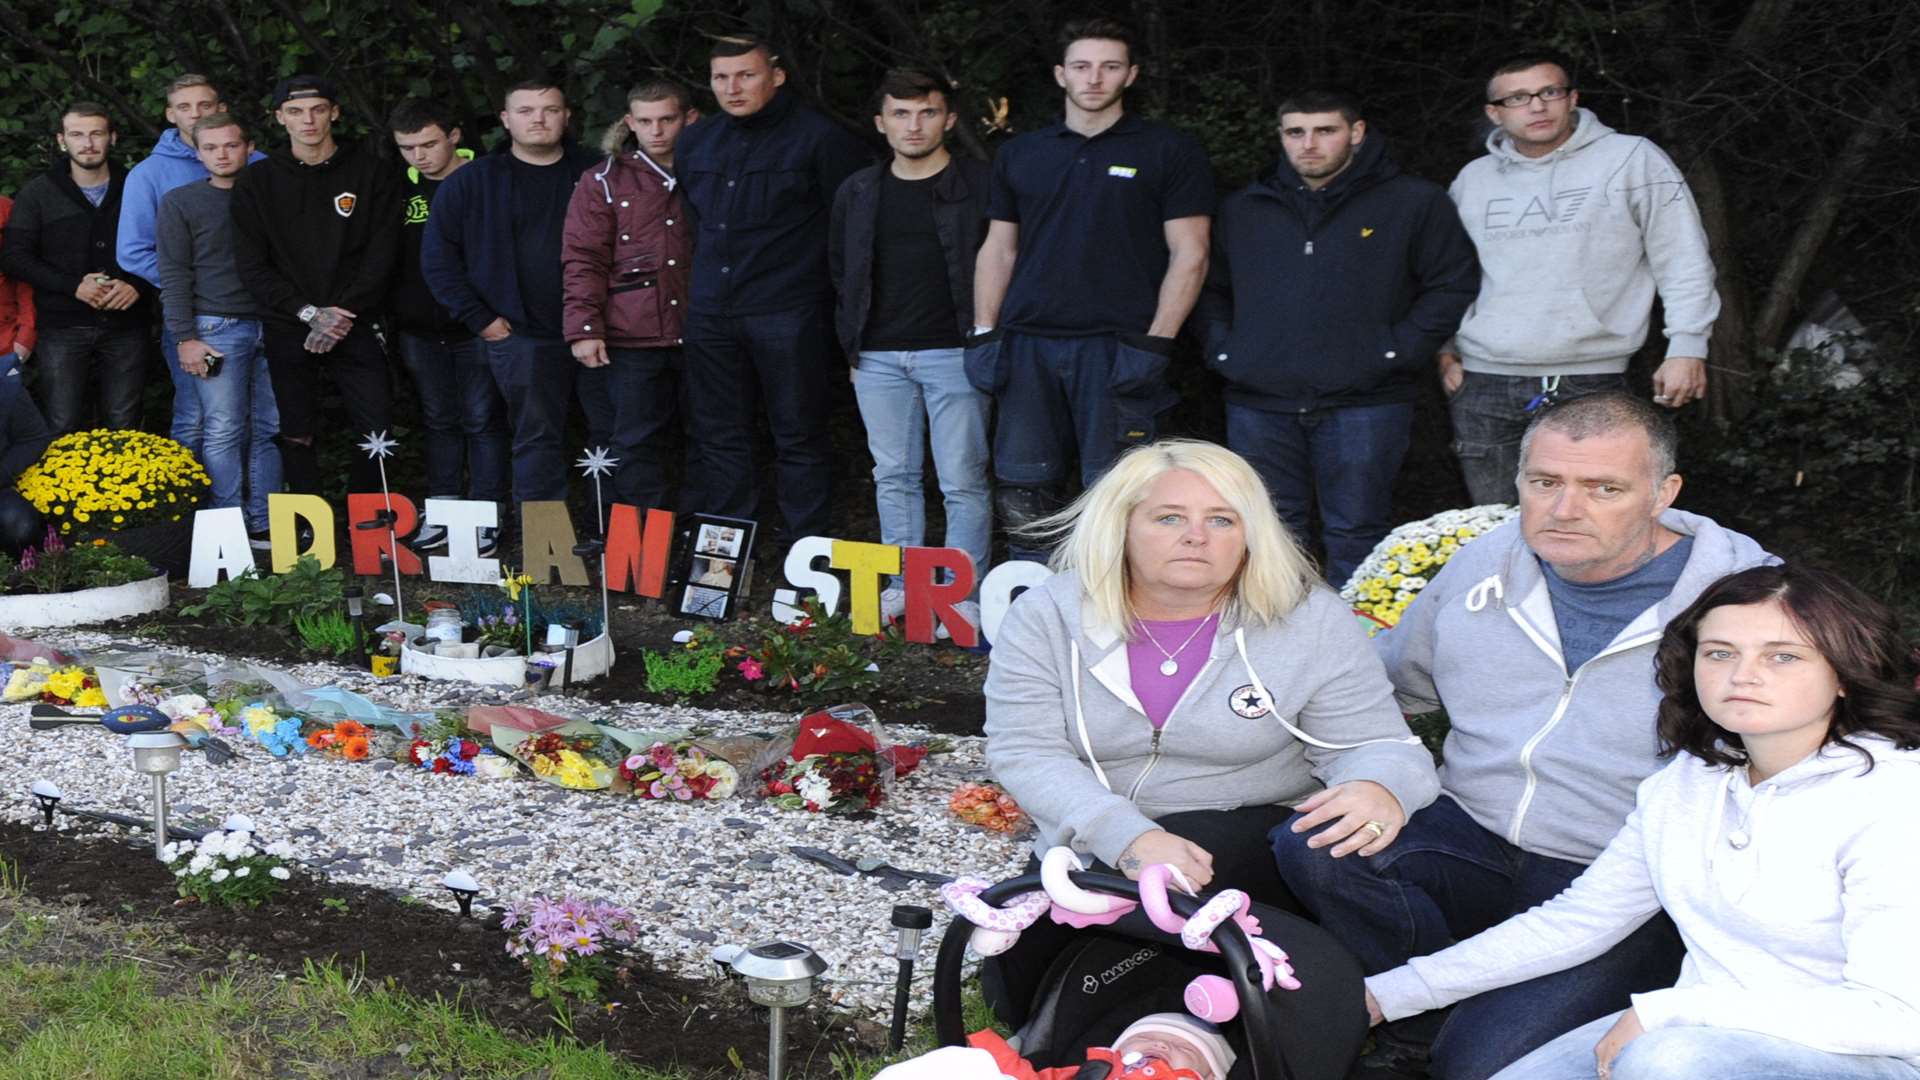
[307,313]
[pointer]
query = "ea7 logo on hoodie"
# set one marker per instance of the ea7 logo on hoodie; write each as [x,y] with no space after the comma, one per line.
[344,203]
[1536,214]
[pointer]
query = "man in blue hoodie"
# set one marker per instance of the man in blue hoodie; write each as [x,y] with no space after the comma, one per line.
[172,164]
[1332,282]
[1538,641]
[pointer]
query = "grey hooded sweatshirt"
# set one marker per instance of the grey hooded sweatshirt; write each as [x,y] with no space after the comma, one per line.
[1544,757]
[1068,739]
[1573,245]
[1795,897]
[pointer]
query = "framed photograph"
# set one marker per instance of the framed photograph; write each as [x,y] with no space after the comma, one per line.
[721,540]
[713,568]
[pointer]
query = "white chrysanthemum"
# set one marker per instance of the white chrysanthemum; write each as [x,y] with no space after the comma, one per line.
[242,871]
[1423,547]
[199,864]
[280,849]
[218,875]
[279,873]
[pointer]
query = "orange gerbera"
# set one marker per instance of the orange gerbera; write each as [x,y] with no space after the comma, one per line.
[352,728]
[320,740]
[356,747]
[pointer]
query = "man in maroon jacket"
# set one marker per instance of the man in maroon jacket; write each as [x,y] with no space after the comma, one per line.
[625,258]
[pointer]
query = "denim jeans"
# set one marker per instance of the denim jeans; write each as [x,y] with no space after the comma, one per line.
[113,357]
[736,364]
[465,419]
[902,396]
[358,369]
[1444,880]
[187,425]
[1700,1053]
[1489,416]
[535,376]
[643,388]
[240,419]
[1343,458]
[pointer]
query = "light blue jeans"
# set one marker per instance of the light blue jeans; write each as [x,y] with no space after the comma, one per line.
[1699,1053]
[188,425]
[239,419]
[902,395]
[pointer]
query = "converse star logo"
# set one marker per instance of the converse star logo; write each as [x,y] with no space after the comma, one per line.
[344,203]
[1249,703]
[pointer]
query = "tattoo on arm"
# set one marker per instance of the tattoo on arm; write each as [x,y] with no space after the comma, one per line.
[332,323]
[1129,863]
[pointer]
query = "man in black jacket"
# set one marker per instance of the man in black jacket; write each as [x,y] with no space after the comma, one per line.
[761,181]
[1332,283]
[901,250]
[23,439]
[92,315]
[314,239]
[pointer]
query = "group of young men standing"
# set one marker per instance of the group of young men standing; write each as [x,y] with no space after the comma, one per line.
[689,274]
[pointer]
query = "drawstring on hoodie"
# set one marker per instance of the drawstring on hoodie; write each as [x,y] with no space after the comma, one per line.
[600,176]
[1489,588]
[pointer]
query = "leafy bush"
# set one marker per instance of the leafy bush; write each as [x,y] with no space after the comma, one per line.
[328,633]
[56,568]
[686,671]
[820,654]
[254,599]
[1825,468]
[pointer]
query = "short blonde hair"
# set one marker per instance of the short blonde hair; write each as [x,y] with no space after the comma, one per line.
[1091,535]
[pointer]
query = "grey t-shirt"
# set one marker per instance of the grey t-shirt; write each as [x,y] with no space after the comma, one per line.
[1590,616]
[96,194]
[193,239]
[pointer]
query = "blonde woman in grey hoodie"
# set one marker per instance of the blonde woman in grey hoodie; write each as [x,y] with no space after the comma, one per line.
[1182,684]
[1779,840]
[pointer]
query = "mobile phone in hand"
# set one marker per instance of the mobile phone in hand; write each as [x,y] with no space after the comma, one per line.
[213,362]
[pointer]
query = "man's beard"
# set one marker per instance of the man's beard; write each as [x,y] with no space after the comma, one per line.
[928,152]
[99,159]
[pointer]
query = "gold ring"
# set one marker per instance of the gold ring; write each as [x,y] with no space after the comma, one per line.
[1379,828]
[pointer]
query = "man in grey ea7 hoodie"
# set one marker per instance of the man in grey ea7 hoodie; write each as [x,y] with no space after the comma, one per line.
[1552,732]
[1577,226]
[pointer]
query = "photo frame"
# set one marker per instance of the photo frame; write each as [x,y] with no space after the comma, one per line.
[713,567]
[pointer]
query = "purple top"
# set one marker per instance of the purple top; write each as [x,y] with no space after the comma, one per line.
[1159,693]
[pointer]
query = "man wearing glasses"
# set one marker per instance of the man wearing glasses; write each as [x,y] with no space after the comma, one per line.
[1577,226]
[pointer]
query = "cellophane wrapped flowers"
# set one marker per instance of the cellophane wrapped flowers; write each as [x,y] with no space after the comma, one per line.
[228,868]
[456,755]
[679,772]
[566,760]
[564,943]
[54,684]
[988,806]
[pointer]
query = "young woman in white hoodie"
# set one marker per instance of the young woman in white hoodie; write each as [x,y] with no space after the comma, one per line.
[1779,840]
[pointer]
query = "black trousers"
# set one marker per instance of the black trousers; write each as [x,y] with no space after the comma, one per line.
[1242,859]
[358,369]
[113,358]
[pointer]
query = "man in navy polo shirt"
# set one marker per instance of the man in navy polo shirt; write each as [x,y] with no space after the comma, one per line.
[761,181]
[1095,254]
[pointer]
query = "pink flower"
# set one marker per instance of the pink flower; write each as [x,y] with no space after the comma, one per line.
[751,670]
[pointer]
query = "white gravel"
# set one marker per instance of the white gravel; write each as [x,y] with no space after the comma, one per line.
[698,873]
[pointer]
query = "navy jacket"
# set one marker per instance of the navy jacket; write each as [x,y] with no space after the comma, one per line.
[1336,297]
[55,238]
[466,252]
[24,436]
[762,189]
[959,216]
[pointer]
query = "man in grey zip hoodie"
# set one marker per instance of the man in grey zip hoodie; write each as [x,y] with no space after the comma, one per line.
[1577,226]
[1538,641]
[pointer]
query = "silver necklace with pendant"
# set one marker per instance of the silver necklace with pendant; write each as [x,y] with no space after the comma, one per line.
[1171,667]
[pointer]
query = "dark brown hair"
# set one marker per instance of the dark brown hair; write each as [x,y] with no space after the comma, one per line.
[1532,58]
[661,90]
[1101,29]
[540,84]
[418,114]
[905,84]
[1321,99]
[81,108]
[741,45]
[1856,634]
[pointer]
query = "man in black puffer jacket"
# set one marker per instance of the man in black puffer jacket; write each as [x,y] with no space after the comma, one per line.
[1332,283]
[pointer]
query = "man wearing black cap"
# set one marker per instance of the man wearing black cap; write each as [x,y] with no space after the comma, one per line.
[315,242]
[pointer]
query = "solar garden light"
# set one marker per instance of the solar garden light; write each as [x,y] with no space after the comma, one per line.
[911,921]
[49,794]
[779,975]
[155,754]
[464,888]
[238,823]
[356,607]
[571,639]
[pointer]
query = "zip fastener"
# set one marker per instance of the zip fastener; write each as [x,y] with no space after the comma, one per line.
[1153,748]
[1560,710]
[1309,250]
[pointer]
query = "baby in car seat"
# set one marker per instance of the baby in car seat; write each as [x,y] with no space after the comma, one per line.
[1158,1046]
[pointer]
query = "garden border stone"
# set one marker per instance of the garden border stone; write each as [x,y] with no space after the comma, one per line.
[591,659]
[84,606]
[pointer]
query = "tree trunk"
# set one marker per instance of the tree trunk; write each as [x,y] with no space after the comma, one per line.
[1729,359]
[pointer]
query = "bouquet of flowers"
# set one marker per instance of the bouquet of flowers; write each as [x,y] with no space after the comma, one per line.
[835,763]
[988,806]
[456,755]
[349,739]
[681,771]
[567,760]
[227,868]
[1403,563]
[108,480]
[62,684]
[564,943]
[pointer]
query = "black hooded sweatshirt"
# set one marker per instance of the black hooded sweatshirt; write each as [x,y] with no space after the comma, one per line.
[55,238]
[321,234]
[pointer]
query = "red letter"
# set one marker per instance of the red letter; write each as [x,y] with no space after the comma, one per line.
[927,598]
[370,544]
[632,554]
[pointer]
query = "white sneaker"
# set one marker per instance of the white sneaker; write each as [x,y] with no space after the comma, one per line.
[489,543]
[429,537]
[893,603]
[967,610]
